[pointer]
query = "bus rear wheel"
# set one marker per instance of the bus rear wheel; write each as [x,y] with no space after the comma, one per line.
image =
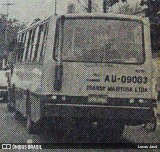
[5,98]
[110,131]
[29,125]
[10,100]
[151,125]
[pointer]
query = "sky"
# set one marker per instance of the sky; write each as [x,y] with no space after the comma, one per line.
[28,10]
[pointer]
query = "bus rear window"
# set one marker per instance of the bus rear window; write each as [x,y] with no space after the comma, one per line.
[103,40]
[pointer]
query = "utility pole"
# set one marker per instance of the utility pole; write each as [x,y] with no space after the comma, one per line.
[55,9]
[104,6]
[8,4]
[89,9]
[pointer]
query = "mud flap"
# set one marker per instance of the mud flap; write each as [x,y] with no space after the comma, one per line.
[152,124]
[58,77]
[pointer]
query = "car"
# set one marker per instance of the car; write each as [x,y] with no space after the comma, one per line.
[4,73]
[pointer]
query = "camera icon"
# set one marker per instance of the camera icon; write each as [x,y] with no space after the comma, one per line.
[6,146]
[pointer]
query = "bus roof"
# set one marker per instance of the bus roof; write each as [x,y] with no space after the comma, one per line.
[84,15]
[34,25]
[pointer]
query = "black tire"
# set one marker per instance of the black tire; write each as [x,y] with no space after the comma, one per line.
[8,102]
[29,123]
[151,126]
[79,130]
[110,131]
[47,127]
[19,116]
[10,97]
[5,98]
[9,108]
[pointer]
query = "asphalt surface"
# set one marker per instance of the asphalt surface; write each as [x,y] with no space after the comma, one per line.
[12,130]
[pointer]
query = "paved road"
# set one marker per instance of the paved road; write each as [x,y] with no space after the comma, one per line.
[13,131]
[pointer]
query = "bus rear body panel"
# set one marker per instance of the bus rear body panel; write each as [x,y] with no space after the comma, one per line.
[98,85]
[102,92]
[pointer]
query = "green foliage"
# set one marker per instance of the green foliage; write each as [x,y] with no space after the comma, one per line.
[10,32]
[127,9]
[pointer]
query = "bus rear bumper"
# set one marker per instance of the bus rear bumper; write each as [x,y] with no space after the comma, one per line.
[129,115]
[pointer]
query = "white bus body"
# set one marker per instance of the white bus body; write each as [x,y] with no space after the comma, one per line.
[96,67]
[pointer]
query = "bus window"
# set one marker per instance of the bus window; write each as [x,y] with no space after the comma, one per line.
[41,53]
[56,41]
[28,44]
[35,42]
[25,46]
[100,40]
[38,42]
[18,47]
[31,45]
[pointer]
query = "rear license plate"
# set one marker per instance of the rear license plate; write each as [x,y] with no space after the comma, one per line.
[97,98]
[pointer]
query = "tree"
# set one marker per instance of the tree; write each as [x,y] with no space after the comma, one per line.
[71,8]
[9,29]
[127,9]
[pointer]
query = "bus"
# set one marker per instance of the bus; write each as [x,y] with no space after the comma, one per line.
[95,70]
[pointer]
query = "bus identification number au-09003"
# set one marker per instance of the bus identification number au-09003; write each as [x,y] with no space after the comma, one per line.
[127,79]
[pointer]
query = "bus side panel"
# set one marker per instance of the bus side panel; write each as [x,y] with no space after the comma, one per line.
[49,63]
[150,57]
[35,107]
[27,77]
[20,93]
[20,100]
